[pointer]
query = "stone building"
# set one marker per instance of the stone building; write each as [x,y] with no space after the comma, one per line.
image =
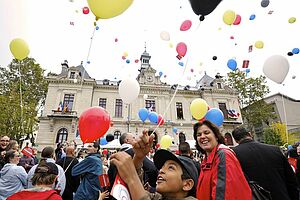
[74,90]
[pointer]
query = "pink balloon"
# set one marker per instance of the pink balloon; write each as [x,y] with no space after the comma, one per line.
[237,20]
[181,49]
[186,25]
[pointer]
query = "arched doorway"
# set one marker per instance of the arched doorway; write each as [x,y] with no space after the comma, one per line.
[62,135]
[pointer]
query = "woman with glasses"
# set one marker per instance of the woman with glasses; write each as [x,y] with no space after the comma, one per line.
[13,178]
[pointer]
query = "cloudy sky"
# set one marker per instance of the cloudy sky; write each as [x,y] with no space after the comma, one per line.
[57,30]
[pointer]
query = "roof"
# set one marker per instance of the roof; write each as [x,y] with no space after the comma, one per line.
[205,81]
[281,95]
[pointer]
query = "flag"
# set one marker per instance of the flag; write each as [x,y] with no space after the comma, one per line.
[104,180]
[232,114]
[60,106]
[27,151]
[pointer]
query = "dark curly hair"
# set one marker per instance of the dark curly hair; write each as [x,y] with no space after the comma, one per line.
[214,129]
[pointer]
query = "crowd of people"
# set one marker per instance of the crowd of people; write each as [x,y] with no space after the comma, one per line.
[71,172]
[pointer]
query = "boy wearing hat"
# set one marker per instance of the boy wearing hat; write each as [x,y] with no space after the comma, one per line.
[177,178]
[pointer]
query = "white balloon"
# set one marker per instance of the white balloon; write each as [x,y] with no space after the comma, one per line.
[276,68]
[129,90]
[164,35]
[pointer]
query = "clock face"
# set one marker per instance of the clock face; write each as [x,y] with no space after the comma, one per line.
[149,78]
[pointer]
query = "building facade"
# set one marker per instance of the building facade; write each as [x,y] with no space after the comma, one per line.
[73,91]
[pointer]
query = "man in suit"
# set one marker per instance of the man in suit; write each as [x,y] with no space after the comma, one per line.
[266,165]
[150,171]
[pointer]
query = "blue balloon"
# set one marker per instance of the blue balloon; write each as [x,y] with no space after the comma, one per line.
[88,62]
[290,147]
[97,27]
[295,51]
[153,117]
[231,63]
[143,114]
[247,70]
[215,116]
[181,64]
[103,141]
[175,130]
[127,61]
[160,74]
[252,17]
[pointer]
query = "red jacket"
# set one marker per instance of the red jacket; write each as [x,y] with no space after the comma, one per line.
[222,177]
[36,195]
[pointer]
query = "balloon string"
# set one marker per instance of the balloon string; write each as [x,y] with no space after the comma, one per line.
[184,70]
[21,101]
[88,56]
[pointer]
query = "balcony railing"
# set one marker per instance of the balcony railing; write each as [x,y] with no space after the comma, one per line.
[59,113]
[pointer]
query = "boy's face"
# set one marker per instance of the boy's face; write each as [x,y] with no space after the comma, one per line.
[169,182]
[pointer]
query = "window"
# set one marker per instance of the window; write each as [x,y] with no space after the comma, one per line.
[228,139]
[102,102]
[219,85]
[62,135]
[117,134]
[72,75]
[179,110]
[68,102]
[150,105]
[222,107]
[118,108]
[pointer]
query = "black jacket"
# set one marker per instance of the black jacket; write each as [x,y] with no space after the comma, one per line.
[267,165]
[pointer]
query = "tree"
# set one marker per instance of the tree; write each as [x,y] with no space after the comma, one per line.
[251,92]
[22,93]
[272,137]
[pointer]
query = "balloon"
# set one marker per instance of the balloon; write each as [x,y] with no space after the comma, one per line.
[129,90]
[229,17]
[198,108]
[104,9]
[276,68]
[116,40]
[165,141]
[97,27]
[153,117]
[127,61]
[19,48]
[214,57]
[247,70]
[85,10]
[174,130]
[186,25]
[237,20]
[231,63]
[160,120]
[215,115]
[109,137]
[105,152]
[292,20]
[290,147]
[295,51]
[125,54]
[164,35]
[290,54]
[264,3]
[103,141]
[123,57]
[181,49]
[204,7]
[181,64]
[143,114]
[160,74]
[259,44]
[252,17]
[231,37]
[136,60]
[93,124]
[157,145]
[170,45]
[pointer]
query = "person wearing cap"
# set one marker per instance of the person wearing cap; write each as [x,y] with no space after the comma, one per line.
[266,165]
[221,175]
[176,179]
[12,177]
[89,169]
[43,181]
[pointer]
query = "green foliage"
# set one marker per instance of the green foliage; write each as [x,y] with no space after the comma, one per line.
[271,136]
[33,88]
[251,92]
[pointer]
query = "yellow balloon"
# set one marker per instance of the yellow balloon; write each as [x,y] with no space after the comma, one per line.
[229,17]
[292,20]
[165,141]
[105,9]
[198,108]
[19,48]
[125,54]
[170,45]
[259,44]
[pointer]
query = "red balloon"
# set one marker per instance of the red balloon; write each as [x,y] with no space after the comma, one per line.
[105,152]
[136,60]
[237,20]
[181,49]
[201,120]
[116,39]
[85,10]
[123,57]
[93,124]
[160,120]
[177,152]
[157,145]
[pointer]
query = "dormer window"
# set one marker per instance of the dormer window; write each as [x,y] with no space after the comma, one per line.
[72,75]
[219,85]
